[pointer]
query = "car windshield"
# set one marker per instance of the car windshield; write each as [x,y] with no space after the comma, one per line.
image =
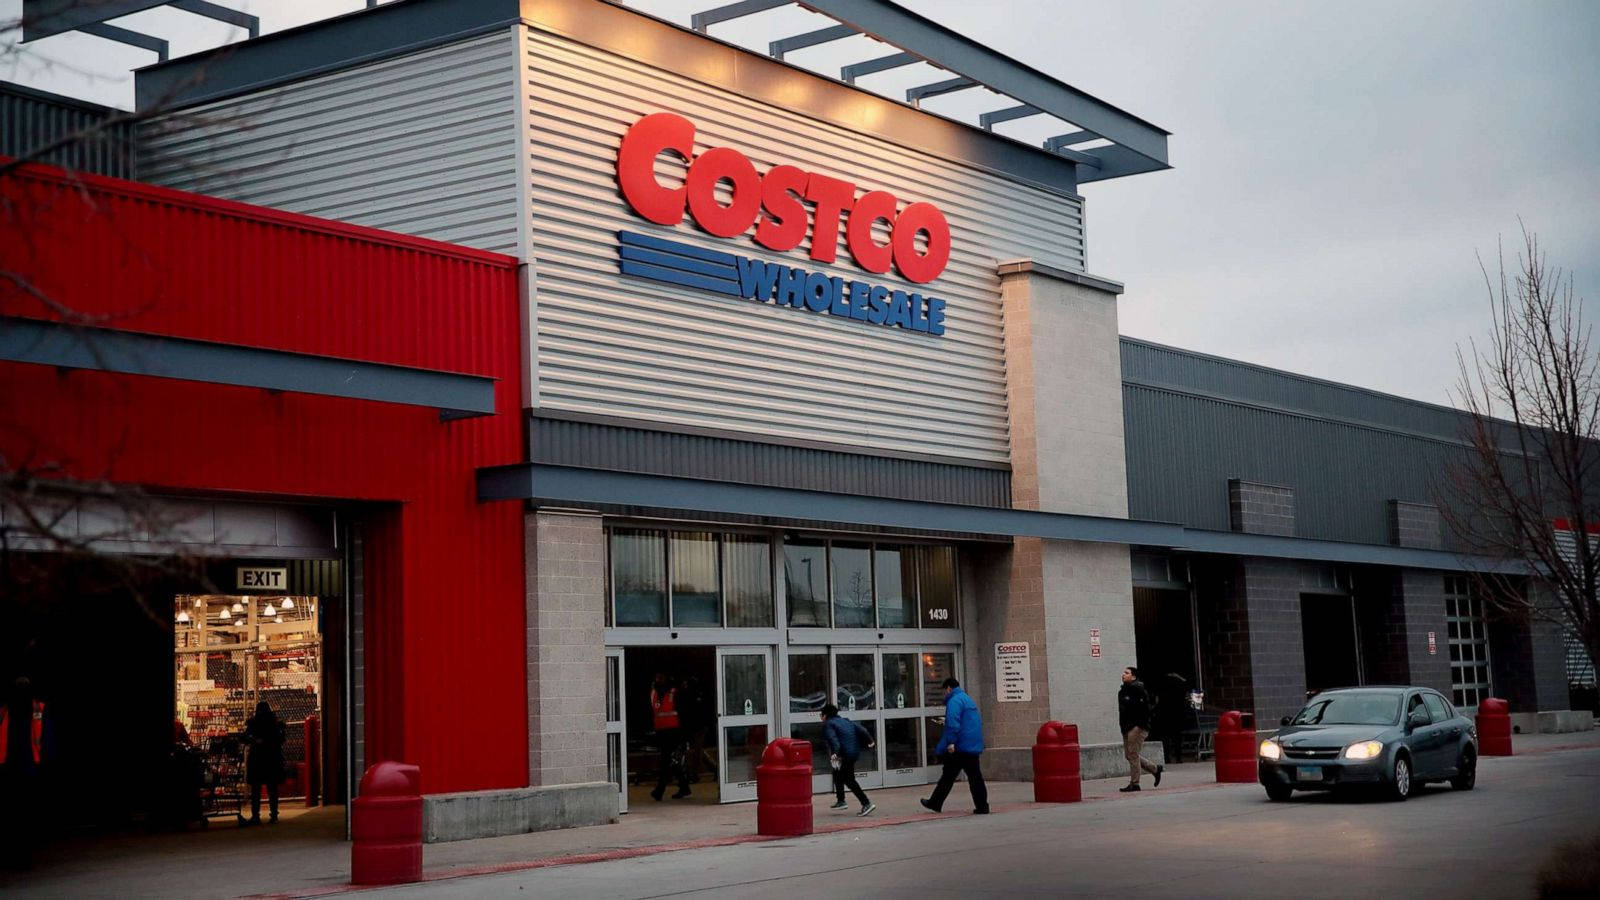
[1363,708]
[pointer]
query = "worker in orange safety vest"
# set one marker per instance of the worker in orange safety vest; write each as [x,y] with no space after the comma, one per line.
[22,721]
[27,728]
[669,737]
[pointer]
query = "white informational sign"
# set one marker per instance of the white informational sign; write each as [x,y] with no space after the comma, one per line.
[1094,643]
[1012,678]
[260,579]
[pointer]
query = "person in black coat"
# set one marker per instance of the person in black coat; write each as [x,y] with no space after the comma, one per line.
[264,734]
[1133,716]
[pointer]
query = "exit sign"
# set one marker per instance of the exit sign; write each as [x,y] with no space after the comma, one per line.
[262,579]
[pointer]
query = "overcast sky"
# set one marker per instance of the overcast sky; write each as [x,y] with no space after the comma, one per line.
[1337,166]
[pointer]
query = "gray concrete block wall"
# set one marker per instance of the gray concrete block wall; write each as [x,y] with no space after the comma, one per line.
[565,553]
[1256,508]
[1414,525]
[1088,586]
[1421,596]
[1007,584]
[1271,592]
[1549,661]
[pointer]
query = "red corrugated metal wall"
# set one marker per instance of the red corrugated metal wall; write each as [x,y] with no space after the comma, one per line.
[446,685]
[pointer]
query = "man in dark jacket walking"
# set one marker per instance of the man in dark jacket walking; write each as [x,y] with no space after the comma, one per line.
[844,739]
[1133,716]
[961,745]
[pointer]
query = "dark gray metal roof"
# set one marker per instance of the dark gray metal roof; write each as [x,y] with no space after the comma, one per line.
[60,131]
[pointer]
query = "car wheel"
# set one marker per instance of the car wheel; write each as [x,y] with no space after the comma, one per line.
[1400,783]
[1278,791]
[1466,770]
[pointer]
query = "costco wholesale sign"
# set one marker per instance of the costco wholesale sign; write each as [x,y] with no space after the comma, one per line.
[773,205]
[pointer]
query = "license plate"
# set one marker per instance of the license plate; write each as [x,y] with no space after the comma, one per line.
[1309,775]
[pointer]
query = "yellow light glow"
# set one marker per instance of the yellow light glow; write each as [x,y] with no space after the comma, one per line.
[1271,750]
[1364,750]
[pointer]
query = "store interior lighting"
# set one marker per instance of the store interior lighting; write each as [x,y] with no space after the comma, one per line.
[238,607]
[238,623]
[269,609]
[288,603]
[183,617]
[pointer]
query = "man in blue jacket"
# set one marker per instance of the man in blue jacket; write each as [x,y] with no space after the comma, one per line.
[961,745]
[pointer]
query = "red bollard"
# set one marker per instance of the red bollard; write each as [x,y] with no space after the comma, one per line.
[386,826]
[1057,773]
[1234,748]
[1494,727]
[783,788]
[313,776]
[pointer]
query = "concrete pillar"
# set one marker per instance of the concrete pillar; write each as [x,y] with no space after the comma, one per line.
[566,643]
[1268,592]
[1064,386]
[1419,598]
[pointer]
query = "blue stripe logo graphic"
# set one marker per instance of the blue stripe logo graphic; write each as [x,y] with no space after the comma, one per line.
[682,264]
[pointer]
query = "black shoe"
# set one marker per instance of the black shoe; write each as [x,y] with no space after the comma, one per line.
[246,823]
[838,804]
[981,812]
[656,794]
[1129,789]
[682,793]
[1159,769]
[929,806]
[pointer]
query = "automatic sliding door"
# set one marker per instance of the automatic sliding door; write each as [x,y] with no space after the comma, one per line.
[616,727]
[857,695]
[808,692]
[901,742]
[744,702]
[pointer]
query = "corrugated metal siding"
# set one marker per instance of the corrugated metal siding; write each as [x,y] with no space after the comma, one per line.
[30,120]
[617,346]
[1182,449]
[211,269]
[422,144]
[1157,365]
[601,446]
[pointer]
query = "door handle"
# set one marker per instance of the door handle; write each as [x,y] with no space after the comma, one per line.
[1454,732]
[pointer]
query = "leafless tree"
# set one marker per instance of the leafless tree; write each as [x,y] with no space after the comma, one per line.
[1528,489]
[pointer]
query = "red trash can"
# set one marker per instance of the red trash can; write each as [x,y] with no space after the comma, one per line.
[386,826]
[783,788]
[1234,748]
[1494,727]
[1057,768]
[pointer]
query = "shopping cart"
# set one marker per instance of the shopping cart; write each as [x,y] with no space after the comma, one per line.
[223,790]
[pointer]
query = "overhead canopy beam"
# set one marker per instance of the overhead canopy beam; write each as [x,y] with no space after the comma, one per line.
[778,48]
[963,56]
[47,343]
[125,36]
[574,486]
[989,119]
[1063,141]
[220,13]
[700,21]
[915,95]
[850,73]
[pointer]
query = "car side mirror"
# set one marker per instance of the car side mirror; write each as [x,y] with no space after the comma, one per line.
[1285,720]
[1417,719]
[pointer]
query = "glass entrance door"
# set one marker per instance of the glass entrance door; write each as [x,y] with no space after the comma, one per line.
[745,717]
[616,727]
[858,698]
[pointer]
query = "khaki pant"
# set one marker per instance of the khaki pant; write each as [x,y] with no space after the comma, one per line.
[1132,743]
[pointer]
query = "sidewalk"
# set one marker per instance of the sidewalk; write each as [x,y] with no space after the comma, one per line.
[306,855]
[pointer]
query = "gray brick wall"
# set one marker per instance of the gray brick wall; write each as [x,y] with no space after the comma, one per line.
[1412,606]
[1007,587]
[1224,623]
[1271,589]
[1414,525]
[565,554]
[1549,659]
[1257,508]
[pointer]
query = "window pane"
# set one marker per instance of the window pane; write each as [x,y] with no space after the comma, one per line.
[747,580]
[805,576]
[933,728]
[744,744]
[896,576]
[808,681]
[812,731]
[852,585]
[613,689]
[856,689]
[867,762]
[695,599]
[936,667]
[900,681]
[639,576]
[936,585]
[744,681]
[900,750]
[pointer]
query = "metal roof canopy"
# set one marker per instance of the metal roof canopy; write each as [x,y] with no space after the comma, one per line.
[46,18]
[1135,145]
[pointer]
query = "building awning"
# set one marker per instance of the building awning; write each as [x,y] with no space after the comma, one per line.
[574,486]
[47,343]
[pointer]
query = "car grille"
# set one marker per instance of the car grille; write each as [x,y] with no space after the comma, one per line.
[1311,752]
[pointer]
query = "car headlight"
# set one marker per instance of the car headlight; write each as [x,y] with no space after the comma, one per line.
[1271,750]
[1364,750]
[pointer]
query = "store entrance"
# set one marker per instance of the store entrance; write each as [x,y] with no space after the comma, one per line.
[689,674]
[248,699]
[1328,629]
